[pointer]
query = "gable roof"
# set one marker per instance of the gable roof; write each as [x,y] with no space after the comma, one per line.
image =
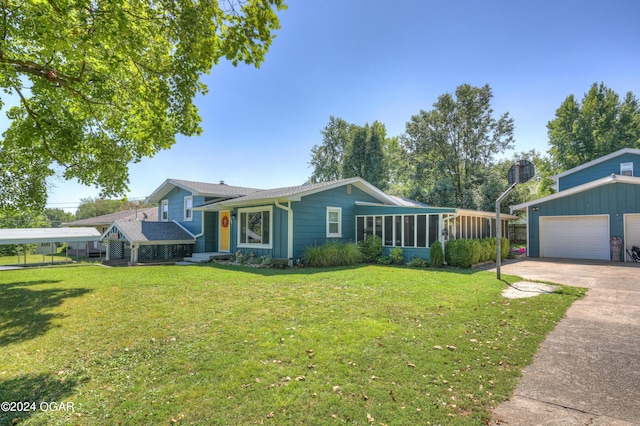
[214,190]
[580,188]
[596,161]
[146,233]
[148,213]
[295,193]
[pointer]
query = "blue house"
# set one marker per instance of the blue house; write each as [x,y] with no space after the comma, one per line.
[282,222]
[597,203]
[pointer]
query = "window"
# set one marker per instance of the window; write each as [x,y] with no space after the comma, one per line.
[188,206]
[419,230]
[626,169]
[164,210]
[334,222]
[255,227]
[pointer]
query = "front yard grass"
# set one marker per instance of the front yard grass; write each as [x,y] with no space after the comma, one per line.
[233,345]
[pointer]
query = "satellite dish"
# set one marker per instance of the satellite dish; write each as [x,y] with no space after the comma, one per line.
[525,169]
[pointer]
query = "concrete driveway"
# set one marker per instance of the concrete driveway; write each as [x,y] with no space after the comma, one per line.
[587,371]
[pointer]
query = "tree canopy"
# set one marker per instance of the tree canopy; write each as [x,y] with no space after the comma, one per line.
[599,125]
[349,150]
[92,207]
[451,148]
[104,84]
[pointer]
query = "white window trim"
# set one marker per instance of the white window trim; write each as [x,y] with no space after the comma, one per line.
[253,210]
[188,219]
[162,204]
[626,167]
[339,211]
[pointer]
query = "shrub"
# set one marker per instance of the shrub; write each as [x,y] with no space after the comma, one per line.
[418,262]
[397,258]
[436,255]
[371,248]
[464,253]
[383,260]
[332,254]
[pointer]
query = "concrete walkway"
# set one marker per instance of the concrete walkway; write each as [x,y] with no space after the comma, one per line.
[587,371]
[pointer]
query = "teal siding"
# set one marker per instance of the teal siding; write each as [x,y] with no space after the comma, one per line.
[598,171]
[278,235]
[310,216]
[614,199]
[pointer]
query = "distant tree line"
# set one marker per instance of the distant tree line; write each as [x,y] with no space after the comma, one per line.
[448,156]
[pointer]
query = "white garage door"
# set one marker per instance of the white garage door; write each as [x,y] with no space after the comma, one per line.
[575,237]
[632,231]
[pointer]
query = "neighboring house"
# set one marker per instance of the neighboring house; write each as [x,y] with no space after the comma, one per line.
[103,222]
[282,222]
[595,202]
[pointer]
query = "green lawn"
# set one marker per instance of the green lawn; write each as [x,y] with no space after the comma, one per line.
[231,345]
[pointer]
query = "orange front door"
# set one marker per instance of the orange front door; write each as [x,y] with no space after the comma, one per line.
[225,231]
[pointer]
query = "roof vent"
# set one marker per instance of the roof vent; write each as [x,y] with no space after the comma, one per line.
[222,182]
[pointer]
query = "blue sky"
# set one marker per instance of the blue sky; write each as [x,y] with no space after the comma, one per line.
[366,60]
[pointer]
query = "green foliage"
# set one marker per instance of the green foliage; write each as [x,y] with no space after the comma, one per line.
[92,207]
[436,255]
[396,256]
[57,217]
[349,150]
[364,155]
[332,254]
[465,253]
[104,84]
[371,248]
[418,262]
[597,126]
[451,147]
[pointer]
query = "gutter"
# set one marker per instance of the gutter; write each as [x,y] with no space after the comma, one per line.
[289,211]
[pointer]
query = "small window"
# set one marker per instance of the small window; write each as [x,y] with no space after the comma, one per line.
[188,208]
[164,215]
[626,169]
[334,222]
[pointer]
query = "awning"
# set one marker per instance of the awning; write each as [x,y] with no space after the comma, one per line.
[47,235]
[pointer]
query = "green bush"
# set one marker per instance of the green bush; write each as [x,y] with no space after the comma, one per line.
[383,260]
[418,262]
[371,248]
[397,258]
[464,253]
[436,255]
[332,254]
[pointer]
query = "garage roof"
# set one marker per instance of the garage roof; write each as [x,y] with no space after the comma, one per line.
[47,235]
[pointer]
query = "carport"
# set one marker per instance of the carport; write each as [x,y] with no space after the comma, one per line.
[24,236]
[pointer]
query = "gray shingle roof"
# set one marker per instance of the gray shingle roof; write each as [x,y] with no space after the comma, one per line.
[107,219]
[289,190]
[149,232]
[214,189]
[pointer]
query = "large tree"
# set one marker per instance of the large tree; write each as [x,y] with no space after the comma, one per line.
[599,125]
[102,84]
[349,150]
[451,148]
[92,207]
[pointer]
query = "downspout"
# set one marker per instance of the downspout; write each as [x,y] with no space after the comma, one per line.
[289,211]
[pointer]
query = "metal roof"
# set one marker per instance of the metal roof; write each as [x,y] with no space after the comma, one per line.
[47,235]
